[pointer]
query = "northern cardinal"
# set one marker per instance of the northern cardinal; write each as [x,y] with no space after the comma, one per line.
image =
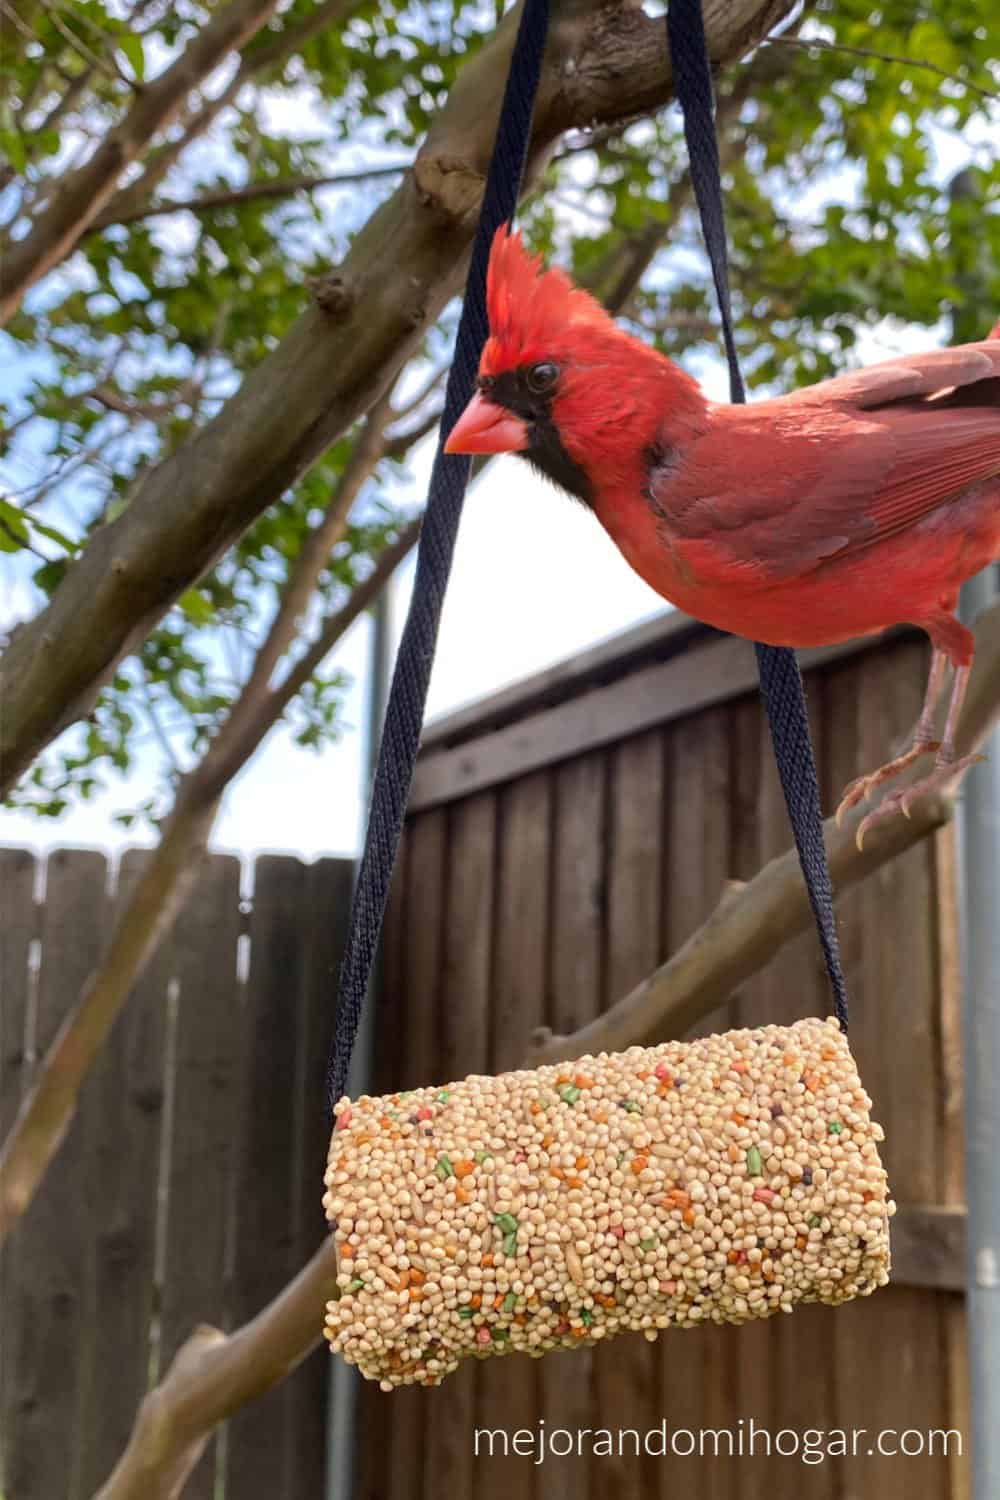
[834,512]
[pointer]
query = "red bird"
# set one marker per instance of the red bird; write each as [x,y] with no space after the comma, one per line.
[835,512]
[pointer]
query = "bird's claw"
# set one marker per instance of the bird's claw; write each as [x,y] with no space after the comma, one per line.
[904,801]
[862,787]
[885,809]
[858,791]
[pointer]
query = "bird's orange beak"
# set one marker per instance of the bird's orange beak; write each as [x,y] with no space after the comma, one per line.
[485,427]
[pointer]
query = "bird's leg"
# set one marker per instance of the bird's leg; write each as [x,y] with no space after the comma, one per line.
[923,742]
[948,765]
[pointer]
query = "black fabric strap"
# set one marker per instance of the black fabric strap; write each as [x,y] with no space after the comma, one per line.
[450,475]
[780,679]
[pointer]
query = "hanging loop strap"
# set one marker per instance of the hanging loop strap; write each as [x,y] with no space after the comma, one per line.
[450,475]
[780,679]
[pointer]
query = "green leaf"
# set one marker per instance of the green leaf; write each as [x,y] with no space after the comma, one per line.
[54,535]
[13,528]
[196,607]
[131,45]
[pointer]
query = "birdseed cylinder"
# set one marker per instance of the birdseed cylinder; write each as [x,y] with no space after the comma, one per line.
[715,1180]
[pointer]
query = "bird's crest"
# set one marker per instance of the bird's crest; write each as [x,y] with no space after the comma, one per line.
[528,306]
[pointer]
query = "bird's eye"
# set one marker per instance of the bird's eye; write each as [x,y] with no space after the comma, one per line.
[542,377]
[486,382]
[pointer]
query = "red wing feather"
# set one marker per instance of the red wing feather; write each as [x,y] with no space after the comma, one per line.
[842,465]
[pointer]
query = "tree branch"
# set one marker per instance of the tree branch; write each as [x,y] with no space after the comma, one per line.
[81,194]
[603,63]
[86,54]
[251,192]
[816,44]
[212,1376]
[753,921]
[132,202]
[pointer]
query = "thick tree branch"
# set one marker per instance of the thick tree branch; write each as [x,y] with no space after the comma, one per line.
[604,63]
[83,193]
[212,1376]
[753,921]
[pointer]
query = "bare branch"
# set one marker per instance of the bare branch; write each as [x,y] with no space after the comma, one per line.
[602,63]
[75,88]
[815,44]
[251,192]
[753,921]
[427,388]
[335,626]
[398,444]
[81,194]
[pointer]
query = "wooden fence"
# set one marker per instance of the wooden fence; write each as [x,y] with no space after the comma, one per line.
[188,1189]
[563,839]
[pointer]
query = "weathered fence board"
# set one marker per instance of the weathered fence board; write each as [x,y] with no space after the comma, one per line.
[121,1195]
[390,1436]
[464,1041]
[45,1321]
[626,1375]
[576,994]
[264,1258]
[207,1101]
[321,929]
[509,1388]
[18,918]
[188,1188]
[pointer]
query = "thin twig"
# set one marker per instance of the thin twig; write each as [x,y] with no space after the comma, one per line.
[159,733]
[19,24]
[429,386]
[398,444]
[251,192]
[814,44]
[91,58]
